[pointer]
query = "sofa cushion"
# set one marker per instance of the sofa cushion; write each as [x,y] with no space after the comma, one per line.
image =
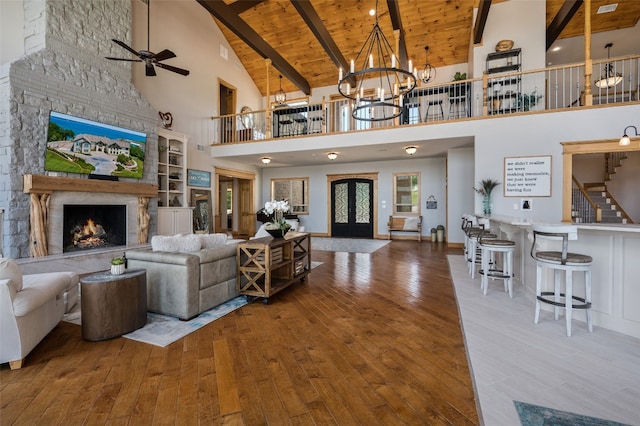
[38,289]
[213,240]
[9,269]
[176,243]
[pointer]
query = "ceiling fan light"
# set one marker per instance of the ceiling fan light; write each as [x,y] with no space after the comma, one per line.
[410,149]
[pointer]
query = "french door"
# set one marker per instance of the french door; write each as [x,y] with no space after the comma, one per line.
[352,208]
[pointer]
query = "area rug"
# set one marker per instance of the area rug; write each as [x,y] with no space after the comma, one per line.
[350,245]
[162,330]
[535,415]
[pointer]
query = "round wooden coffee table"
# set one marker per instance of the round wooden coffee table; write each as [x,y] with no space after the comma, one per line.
[113,305]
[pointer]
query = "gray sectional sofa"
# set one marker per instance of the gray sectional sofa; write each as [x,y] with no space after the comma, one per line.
[184,277]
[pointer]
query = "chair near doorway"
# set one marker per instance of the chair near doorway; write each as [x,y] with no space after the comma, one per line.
[558,261]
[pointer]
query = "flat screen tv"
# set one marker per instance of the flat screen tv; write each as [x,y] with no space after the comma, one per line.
[78,145]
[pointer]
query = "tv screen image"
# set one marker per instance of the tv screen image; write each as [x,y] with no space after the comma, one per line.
[78,145]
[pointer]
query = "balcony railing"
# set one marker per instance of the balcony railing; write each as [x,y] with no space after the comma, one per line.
[552,88]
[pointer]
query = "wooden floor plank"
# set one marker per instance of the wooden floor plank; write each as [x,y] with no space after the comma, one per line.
[227,390]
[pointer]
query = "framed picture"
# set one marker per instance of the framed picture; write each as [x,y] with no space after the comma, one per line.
[527,176]
[198,178]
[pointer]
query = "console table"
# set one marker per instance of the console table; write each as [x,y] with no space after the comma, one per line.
[268,265]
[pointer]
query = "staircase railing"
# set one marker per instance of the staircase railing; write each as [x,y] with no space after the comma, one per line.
[584,209]
[611,161]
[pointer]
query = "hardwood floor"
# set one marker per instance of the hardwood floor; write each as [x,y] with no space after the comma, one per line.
[367,339]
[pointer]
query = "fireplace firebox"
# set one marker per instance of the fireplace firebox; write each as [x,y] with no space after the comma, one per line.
[87,227]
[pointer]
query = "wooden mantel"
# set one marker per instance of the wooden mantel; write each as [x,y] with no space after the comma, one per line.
[41,187]
[41,184]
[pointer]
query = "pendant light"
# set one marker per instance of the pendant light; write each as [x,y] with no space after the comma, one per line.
[280,97]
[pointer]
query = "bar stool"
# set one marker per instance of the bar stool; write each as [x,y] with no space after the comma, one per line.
[286,127]
[488,249]
[471,229]
[484,226]
[457,106]
[316,124]
[301,125]
[434,102]
[561,261]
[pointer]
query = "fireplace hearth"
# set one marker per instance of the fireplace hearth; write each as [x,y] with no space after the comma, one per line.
[87,227]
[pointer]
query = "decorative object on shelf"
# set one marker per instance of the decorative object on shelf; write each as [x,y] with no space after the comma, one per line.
[624,140]
[504,45]
[265,160]
[278,226]
[379,68]
[485,188]
[118,265]
[332,155]
[458,90]
[526,102]
[429,71]
[410,149]
[167,119]
[280,97]
[610,77]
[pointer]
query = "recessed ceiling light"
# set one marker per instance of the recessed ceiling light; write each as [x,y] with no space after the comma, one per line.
[372,12]
[607,8]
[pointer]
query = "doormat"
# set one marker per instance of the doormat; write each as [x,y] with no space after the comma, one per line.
[350,245]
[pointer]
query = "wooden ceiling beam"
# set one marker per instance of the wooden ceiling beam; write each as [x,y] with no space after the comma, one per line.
[481,20]
[242,6]
[396,21]
[241,29]
[562,18]
[310,16]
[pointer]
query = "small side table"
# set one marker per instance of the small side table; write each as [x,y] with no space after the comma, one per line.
[113,305]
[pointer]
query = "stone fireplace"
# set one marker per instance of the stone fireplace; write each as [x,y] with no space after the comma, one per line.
[93,226]
[61,67]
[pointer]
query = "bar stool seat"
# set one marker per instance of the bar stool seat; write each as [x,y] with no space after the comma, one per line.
[489,248]
[559,261]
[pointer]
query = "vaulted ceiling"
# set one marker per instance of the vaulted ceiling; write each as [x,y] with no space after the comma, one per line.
[308,40]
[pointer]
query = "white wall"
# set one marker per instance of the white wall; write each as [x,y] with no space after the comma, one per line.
[460,183]
[11,30]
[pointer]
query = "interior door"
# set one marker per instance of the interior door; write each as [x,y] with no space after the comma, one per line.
[246,213]
[352,208]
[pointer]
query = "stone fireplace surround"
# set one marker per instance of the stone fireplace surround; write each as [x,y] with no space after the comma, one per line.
[49,194]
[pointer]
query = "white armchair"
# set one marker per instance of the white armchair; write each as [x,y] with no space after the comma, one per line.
[30,307]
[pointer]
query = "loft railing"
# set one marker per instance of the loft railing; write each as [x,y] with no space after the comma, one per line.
[550,88]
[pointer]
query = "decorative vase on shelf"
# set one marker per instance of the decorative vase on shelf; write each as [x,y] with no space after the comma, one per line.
[486,204]
[278,232]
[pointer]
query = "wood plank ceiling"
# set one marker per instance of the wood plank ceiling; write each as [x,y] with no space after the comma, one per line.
[446,26]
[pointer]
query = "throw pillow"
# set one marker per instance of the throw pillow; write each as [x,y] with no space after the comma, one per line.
[411,223]
[9,269]
[176,244]
[213,240]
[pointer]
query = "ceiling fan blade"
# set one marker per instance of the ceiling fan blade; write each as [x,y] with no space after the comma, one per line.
[123,59]
[149,70]
[174,69]
[165,54]
[124,45]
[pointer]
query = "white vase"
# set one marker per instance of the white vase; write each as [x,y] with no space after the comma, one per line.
[117,269]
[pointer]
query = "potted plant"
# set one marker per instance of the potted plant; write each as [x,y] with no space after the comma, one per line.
[485,188]
[458,89]
[117,265]
[278,225]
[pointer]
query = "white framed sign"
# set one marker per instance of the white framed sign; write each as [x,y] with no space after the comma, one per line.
[527,176]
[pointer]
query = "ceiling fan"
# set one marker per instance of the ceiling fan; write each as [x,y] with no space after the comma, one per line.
[150,59]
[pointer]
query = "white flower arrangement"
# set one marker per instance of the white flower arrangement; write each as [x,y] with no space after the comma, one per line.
[277,209]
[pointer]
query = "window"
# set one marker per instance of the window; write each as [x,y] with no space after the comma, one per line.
[295,190]
[406,193]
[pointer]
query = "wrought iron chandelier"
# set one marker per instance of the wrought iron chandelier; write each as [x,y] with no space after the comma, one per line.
[280,97]
[429,71]
[379,69]
[610,77]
